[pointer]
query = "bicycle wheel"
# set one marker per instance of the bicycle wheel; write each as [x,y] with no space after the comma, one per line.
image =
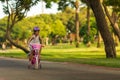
[36,63]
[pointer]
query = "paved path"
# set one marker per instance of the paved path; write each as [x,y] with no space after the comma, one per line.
[16,69]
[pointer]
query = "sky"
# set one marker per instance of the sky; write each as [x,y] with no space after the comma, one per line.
[35,10]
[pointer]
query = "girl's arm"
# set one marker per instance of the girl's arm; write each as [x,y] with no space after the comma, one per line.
[41,41]
[30,39]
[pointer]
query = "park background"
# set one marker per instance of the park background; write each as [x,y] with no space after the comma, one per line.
[59,31]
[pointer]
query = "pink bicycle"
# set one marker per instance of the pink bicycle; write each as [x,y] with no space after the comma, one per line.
[35,57]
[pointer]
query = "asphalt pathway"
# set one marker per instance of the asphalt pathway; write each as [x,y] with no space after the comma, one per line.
[16,69]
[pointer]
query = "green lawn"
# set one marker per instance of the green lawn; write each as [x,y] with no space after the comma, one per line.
[68,53]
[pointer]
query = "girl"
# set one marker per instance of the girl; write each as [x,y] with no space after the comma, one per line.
[35,39]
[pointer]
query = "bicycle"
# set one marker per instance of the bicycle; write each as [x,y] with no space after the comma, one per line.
[35,57]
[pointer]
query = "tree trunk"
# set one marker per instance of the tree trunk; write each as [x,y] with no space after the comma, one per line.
[113,22]
[114,17]
[12,19]
[103,28]
[77,28]
[15,44]
[116,40]
[99,40]
[77,23]
[115,37]
[8,35]
[88,25]
[3,46]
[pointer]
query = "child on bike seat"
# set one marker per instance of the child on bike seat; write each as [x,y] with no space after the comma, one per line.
[34,39]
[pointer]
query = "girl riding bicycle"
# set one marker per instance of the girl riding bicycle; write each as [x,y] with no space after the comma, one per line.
[34,39]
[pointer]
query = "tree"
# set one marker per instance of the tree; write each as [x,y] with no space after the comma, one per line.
[71,25]
[77,22]
[88,21]
[22,30]
[88,24]
[58,31]
[114,17]
[75,4]
[92,34]
[2,31]
[112,21]
[67,14]
[58,28]
[16,10]
[103,28]
[98,40]
[44,21]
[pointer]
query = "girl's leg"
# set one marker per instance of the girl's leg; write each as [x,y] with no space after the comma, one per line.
[30,55]
[40,58]
[40,54]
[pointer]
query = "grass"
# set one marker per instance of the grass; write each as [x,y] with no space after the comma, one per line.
[68,53]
